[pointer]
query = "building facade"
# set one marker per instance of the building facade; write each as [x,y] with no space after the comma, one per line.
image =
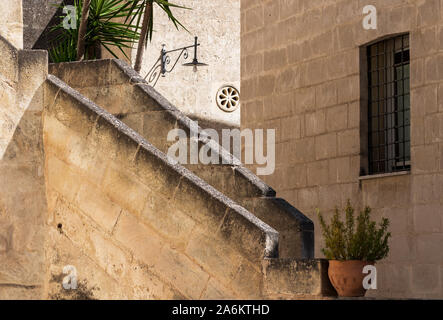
[92,208]
[358,115]
[217,25]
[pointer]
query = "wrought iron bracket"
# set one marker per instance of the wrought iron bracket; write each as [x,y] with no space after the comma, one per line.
[161,66]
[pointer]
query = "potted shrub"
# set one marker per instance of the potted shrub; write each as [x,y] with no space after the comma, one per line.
[350,246]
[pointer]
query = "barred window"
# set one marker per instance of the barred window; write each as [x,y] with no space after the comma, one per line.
[389,106]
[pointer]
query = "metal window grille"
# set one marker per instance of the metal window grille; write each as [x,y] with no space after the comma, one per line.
[389,106]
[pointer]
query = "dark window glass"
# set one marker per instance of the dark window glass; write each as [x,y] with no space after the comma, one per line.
[389,106]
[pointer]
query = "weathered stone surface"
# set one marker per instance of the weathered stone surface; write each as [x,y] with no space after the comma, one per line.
[109,203]
[153,116]
[22,186]
[11,28]
[318,163]
[297,277]
[194,93]
[295,230]
[129,220]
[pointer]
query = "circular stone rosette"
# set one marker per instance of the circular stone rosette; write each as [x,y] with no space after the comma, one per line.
[228,98]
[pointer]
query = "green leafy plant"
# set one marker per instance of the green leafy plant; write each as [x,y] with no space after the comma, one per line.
[65,50]
[145,9]
[355,239]
[103,30]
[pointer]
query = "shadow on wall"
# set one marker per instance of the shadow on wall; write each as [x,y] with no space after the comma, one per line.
[22,211]
[22,183]
[39,16]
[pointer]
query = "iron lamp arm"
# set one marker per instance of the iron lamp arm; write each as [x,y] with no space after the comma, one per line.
[160,66]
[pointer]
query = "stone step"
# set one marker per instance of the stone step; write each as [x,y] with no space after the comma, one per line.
[302,279]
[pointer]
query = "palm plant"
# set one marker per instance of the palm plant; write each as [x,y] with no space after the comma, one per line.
[147,24]
[145,8]
[82,30]
[98,28]
[65,50]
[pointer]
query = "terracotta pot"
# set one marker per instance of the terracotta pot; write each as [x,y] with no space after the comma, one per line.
[347,277]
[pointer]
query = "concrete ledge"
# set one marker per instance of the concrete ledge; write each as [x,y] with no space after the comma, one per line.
[292,277]
[296,230]
[384,175]
[5,41]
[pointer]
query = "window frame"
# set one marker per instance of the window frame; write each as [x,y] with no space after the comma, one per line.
[391,136]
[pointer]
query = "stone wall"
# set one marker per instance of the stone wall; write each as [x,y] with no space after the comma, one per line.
[217,24]
[301,75]
[22,184]
[79,188]
[11,26]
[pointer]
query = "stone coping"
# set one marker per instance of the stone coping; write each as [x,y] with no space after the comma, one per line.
[384,175]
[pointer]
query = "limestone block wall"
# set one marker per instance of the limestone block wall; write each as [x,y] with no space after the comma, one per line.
[11,25]
[217,24]
[134,225]
[301,75]
[22,184]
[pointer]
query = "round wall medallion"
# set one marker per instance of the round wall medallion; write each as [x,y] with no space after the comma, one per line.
[228,98]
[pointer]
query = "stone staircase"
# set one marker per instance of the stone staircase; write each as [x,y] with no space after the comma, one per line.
[114,84]
[290,269]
